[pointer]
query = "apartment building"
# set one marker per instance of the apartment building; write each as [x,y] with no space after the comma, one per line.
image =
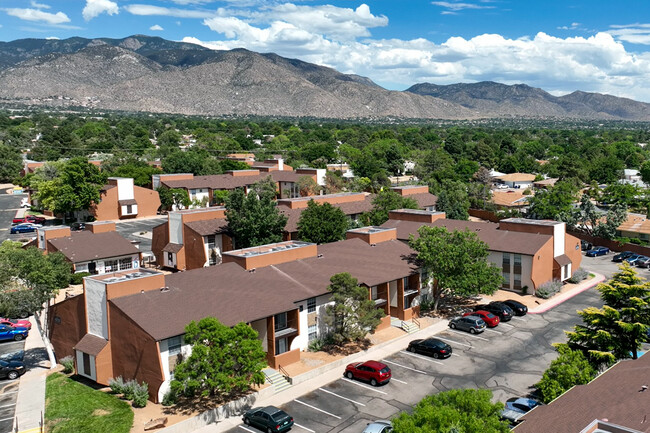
[191,239]
[529,252]
[120,199]
[132,323]
[98,250]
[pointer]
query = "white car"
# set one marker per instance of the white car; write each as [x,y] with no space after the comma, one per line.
[379,426]
[502,186]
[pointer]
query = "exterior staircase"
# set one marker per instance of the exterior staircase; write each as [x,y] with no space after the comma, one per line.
[279,382]
[407,326]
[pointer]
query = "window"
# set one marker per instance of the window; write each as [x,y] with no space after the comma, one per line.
[110,265]
[517,282]
[312,332]
[281,346]
[405,282]
[129,209]
[506,279]
[174,345]
[517,259]
[506,260]
[86,362]
[311,305]
[125,264]
[211,241]
[280,321]
[373,293]
[407,302]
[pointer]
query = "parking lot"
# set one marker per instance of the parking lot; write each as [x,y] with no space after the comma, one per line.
[139,230]
[508,359]
[8,389]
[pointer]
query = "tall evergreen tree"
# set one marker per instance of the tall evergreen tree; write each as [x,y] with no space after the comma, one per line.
[322,223]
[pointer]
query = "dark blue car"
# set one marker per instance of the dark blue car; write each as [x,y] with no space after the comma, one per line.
[10,333]
[23,228]
[597,251]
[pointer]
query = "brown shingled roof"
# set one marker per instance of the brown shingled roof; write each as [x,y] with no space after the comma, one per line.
[208,227]
[172,248]
[84,245]
[424,199]
[91,344]
[232,294]
[127,202]
[227,181]
[348,208]
[497,240]
[615,395]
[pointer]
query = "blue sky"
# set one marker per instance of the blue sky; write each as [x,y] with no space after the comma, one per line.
[560,46]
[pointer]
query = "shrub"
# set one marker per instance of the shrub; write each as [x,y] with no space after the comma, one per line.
[579,275]
[129,389]
[169,399]
[68,364]
[548,289]
[78,278]
[117,385]
[140,394]
[316,345]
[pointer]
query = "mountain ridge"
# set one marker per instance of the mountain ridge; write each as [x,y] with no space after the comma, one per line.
[147,73]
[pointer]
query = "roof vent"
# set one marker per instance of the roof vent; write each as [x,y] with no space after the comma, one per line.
[643,388]
[373,245]
[251,270]
[320,256]
[164,289]
[142,291]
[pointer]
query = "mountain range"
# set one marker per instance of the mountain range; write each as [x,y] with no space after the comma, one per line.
[151,74]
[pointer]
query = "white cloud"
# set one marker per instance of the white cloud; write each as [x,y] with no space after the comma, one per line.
[573,26]
[452,6]
[150,10]
[39,5]
[632,33]
[95,8]
[52,38]
[38,15]
[156,28]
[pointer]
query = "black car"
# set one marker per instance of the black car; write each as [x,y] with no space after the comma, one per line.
[584,245]
[77,226]
[11,369]
[500,309]
[430,347]
[622,256]
[517,307]
[269,418]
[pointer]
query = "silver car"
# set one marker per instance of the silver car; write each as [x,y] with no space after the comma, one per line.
[471,324]
[379,426]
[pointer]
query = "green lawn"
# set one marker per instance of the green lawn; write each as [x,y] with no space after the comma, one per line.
[73,407]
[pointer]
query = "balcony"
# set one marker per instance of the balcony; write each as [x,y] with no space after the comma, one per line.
[286,328]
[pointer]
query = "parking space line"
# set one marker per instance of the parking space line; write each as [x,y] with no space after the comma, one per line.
[364,386]
[421,357]
[315,408]
[397,380]
[340,396]
[455,354]
[453,341]
[6,419]
[8,405]
[472,335]
[303,427]
[404,366]
[497,332]
[241,426]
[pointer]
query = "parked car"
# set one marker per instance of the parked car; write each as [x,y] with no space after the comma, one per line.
[643,262]
[584,245]
[522,404]
[370,371]
[597,251]
[18,355]
[269,418]
[20,323]
[490,319]
[23,228]
[633,259]
[379,426]
[471,324]
[13,333]
[500,309]
[29,219]
[622,256]
[75,227]
[517,307]
[11,369]
[430,347]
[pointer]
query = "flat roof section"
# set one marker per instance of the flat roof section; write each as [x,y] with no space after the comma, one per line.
[268,249]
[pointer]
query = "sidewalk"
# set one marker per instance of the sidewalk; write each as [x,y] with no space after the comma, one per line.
[30,403]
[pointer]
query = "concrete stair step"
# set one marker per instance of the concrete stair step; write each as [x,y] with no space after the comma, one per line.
[279,382]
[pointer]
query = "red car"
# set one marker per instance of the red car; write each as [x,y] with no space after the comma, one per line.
[370,371]
[490,319]
[29,219]
[16,323]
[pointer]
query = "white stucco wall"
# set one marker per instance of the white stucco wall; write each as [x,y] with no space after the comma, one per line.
[260,327]
[175,228]
[96,308]
[125,188]
[559,231]
[302,340]
[186,350]
[80,366]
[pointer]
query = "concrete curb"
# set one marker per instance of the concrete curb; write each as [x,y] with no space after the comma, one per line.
[568,295]
[307,382]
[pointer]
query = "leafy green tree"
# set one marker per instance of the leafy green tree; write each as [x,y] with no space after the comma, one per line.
[619,193]
[254,219]
[10,164]
[322,223]
[569,369]
[75,188]
[352,314]
[139,170]
[307,186]
[456,262]
[28,280]
[385,202]
[173,198]
[224,360]
[553,203]
[644,171]
[453,200]
[617,330]
[454,411]
[590,220]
